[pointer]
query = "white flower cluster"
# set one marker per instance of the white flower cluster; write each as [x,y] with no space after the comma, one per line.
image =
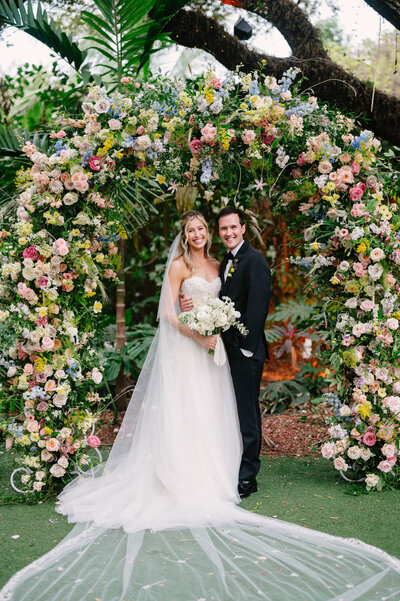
[216,316]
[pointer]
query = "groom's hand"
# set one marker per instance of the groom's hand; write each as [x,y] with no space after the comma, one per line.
[185,303]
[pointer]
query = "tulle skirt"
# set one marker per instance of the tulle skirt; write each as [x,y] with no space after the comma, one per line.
[160,522]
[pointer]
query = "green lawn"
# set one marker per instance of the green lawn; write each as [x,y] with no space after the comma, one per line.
[303,491]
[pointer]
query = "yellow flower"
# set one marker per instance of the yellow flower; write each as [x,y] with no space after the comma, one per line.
[35,436]
[315,246]
[89,294]
[22,241]
[48,430]
[157,135]
[361,248]
[382,393]
[334,280]
[119,154]
[24,440]
[122,232]
[160,178]
[100,257]
[364,388]
[364,409]
[40,364]
[97,307]
[243,106]
[42,311]
[75,232]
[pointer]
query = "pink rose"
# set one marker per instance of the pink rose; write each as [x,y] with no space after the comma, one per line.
[46,456]
[248,136]
[43,282]
[30,253]
[355,167]
[114,124]
[195,146]
[42,406]
[356,193]
[367,305]
[209,133]
[359,270]
[216,83]
[47,343]
[93,441]
[126,80]
[301,160]
[32,426]
[60,247]
[358,210]
[95,163]
[369,439]
[385,466]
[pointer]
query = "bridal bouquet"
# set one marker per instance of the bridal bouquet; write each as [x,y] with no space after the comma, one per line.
[215,316]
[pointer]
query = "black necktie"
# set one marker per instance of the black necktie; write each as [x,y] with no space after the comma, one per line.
[230,256]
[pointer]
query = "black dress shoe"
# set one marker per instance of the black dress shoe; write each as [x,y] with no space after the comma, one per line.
[247,487]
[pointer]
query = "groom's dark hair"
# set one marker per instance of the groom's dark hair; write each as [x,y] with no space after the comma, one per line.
[231,211]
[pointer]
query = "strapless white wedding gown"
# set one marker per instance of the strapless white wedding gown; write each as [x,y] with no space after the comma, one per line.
[160,522]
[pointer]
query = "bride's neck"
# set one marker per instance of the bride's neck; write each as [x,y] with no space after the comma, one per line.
[198,257]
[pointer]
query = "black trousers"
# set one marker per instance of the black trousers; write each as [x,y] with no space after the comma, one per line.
[246,375]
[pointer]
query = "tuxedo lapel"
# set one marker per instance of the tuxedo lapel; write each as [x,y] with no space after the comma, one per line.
[226,283]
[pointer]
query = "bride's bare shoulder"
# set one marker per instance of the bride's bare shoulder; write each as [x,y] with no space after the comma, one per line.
[214,262]
[179,268]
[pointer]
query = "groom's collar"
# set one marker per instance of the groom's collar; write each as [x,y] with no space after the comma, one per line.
[236,250]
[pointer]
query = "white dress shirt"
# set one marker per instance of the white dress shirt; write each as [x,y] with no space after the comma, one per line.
[227,268]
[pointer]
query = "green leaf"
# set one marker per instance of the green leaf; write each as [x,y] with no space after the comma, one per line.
[43,28]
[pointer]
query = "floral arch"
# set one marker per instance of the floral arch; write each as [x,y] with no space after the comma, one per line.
[204,141]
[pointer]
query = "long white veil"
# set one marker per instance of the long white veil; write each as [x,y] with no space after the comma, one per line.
[145,538]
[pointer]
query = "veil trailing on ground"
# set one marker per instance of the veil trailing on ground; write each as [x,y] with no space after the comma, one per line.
[148,531]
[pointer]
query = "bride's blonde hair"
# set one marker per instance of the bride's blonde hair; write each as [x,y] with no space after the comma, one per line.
[183,248]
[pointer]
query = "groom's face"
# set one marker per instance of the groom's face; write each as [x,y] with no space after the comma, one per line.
[231,231]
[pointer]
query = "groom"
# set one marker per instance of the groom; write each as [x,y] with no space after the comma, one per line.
[245,278]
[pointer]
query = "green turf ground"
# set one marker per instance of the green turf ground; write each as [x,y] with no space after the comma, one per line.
[303,491]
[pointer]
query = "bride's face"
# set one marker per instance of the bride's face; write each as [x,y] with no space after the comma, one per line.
[197,234]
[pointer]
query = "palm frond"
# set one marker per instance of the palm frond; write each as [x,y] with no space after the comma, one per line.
[136,206]
[162,12]
[295,310]
[39,25]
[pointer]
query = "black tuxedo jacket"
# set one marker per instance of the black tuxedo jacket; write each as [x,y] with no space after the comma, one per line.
[249,287]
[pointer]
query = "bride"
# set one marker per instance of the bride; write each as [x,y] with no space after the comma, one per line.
[159,520]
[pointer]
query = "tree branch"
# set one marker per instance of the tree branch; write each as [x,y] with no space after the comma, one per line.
[328,79]
[388,9]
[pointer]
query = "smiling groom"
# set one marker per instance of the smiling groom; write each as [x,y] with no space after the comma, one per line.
[246,280]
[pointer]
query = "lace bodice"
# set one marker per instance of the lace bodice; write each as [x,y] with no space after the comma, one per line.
[200,289]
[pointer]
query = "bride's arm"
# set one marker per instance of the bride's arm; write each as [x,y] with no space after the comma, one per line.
[176,276]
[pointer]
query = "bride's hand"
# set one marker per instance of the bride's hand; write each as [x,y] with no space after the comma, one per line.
[207,341]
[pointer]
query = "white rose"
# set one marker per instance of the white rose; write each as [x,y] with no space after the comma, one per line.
[389,450]
[70,198]
[369,379]
[365,453]
[102,105]
[344,266]
[97,376]
[59,400]
[354,452]
[392,323]
[11,371]
[328,450]
[377,254]
[371,480]
[340,464]
[37,486]
[351,303]
[358,329]
[63,461]
[375,272]
[57,470]
[344,410]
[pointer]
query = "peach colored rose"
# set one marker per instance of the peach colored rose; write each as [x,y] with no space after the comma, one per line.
[52,444]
